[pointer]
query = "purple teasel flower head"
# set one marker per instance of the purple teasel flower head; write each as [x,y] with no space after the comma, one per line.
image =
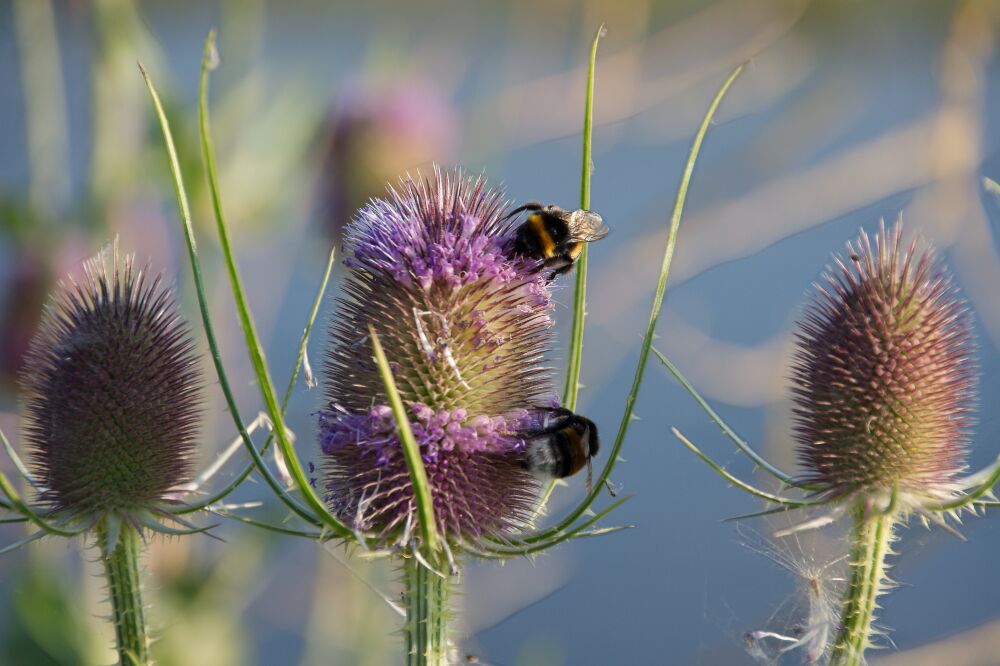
[465,327]
[112,393]
[884,378]
[376,132]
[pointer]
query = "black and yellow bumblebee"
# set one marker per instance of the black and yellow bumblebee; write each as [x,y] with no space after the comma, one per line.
[564,444]
[556,236]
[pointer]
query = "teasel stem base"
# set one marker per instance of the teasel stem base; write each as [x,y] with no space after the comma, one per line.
[427,596]
[121,567]
[870,545]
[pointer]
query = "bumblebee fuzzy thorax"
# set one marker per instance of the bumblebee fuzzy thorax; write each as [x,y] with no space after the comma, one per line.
[539,236]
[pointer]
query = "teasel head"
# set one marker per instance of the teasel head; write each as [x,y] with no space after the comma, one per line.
[465,326]
[884,377]
[112,395]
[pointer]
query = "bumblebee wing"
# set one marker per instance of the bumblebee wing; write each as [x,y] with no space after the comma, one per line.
[587,226]
[554,420]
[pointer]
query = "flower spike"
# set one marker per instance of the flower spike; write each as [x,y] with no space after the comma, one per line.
[883,375]
[459,328]
[884,386]
[112,394]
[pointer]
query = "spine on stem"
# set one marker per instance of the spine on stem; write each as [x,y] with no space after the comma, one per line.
[121,566]
[871,539]
[427,597]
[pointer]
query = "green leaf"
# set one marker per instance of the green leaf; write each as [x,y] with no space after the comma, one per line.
[759,460]
[303,343]
[18,504]
[21,542]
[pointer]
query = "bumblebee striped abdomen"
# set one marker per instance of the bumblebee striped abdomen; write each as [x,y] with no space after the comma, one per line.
[565,448]
[542,236]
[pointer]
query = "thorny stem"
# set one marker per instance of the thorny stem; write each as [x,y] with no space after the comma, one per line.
[571,389]
[426,596]
[125,592]
[870,544]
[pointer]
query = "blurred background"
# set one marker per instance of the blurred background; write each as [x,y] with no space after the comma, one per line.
[849,112]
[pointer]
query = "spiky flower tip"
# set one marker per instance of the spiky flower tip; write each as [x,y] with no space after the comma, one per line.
[465,326]
[884,379]
[111,394]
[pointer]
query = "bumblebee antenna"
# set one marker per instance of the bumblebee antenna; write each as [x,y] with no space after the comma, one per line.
[531,205]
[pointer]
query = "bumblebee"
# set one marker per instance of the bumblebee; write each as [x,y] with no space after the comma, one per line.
[565,443]
[556,236]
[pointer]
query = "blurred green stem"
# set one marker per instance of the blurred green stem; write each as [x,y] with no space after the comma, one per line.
[121,567]
[426,596]
[44,105]
[870,539]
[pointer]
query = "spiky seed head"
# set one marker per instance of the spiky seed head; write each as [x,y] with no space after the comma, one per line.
[111,391]
[465,326]
[884,379]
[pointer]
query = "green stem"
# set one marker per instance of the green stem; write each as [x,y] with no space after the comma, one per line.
[426,596]
[870,541]
[44,105]
[125,592]
[572,387]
